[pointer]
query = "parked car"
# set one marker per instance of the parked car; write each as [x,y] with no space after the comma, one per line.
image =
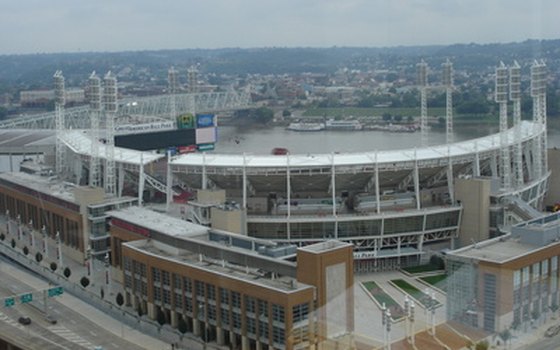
[24,320]
[552,331]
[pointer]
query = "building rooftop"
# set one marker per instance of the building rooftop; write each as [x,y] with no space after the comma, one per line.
[159,222]
[221,267]
[51,186]
[325,246]
[498,250]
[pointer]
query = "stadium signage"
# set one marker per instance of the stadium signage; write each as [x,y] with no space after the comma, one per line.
[140,128]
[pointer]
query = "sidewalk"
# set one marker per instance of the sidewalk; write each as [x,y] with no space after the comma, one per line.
[141,327]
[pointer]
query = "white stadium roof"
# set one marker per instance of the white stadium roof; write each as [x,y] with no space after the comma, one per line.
[79,141]
[455,150]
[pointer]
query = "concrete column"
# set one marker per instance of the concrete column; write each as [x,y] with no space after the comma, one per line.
[174,319]
[232,339]
[244,343]
[196,327]
[220,336]
[152,311]
[259,345]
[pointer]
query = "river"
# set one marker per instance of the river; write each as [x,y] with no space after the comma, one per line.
[261,141]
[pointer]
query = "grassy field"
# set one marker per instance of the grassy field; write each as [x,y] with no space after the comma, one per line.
[437,281]
[421,268]
[379,294]
[409,289]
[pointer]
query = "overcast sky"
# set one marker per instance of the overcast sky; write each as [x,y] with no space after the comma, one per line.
[30,26]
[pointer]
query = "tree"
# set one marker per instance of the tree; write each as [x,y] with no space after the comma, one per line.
[84,281]
[398,118]
[139,310]
[25,250]
[264,115]
[160,317]
[2,236]
[505,335]
[286,113]
[182,325]
[481,345]
[410,119]
[38,257]
[13,243]
[67,272]
[119,299]
[438,262]
[54,266]
[387,117]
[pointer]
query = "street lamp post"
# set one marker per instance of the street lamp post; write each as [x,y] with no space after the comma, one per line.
[406,315]
[388,326]
[18,219]
[433,304]
[411,319]
[88,258]
[45,243]
[31,237]
[107,270]
[383,323]
[58,249]
[7,221]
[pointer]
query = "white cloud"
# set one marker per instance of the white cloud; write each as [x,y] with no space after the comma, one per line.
[68,25]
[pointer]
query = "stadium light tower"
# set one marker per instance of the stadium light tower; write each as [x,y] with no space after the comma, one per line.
[192,76]
[501,97]
[538,93]
[59,101]
[515,97]
[94,97]
[448,83]
[110,105]
[172,76]
[422,78]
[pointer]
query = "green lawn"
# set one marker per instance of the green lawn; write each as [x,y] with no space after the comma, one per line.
[411,290]
[421,268]
[381,297]
[436,280]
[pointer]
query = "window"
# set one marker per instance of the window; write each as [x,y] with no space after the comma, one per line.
[263,330]
[278,335]
[224,316]
[249,304]
[211,291]
[224,296]
[263,308]
[300,312]
[165,278]
[199,290]
[251,325]
[235,299]
[278,313]
[516,279]
[187,285]
[156,275]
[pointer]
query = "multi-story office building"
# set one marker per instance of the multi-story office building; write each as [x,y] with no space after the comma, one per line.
[506,281]
[230,288]
[47,206]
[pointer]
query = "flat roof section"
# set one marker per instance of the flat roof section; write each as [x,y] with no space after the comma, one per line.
[498,250]
[325,246]
[221,268]
[159,222]
[47,185]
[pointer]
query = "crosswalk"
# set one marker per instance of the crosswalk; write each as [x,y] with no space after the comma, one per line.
[70,336]
[5,318]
